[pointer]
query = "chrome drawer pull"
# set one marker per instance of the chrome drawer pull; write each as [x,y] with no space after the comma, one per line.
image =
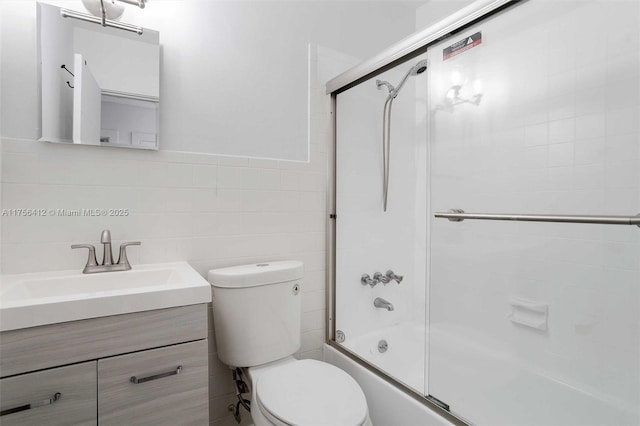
[31,405]
[135,380]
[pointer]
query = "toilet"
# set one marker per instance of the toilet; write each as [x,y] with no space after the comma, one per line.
[257,312]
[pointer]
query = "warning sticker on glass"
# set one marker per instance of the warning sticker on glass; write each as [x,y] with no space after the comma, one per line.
[462,46]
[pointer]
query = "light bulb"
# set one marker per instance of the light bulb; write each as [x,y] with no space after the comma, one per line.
[112,8]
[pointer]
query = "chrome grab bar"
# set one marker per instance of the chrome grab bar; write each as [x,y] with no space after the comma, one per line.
[31,405]
[458,215]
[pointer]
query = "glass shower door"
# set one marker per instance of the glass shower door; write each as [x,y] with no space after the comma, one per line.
[531,322]
[382,320]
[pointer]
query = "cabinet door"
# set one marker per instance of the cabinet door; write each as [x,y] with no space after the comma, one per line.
[86,104]
[57,397]
[167,386]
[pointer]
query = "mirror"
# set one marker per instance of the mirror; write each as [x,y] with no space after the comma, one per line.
[98,85]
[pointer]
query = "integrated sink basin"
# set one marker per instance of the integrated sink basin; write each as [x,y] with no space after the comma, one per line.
[29,300]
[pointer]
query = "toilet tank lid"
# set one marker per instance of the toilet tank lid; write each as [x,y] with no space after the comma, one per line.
[256,274]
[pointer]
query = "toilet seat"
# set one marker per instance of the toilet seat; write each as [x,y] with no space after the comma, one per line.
[310,392]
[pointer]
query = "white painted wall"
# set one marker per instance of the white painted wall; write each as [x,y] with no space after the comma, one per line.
[234,74]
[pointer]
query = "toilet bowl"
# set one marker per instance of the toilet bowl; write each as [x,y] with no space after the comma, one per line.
[306,392]
[257,312]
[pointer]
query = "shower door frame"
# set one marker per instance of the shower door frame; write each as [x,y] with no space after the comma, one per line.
[402,51]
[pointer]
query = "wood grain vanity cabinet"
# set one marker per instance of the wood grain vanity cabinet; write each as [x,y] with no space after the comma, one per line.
[145,368]
[58,396]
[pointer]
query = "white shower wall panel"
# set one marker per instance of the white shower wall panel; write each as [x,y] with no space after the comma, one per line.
[556,132]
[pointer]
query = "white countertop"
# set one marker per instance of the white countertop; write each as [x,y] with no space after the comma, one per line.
[34,299]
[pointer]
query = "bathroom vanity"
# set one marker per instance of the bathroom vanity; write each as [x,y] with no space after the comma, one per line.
[142,367]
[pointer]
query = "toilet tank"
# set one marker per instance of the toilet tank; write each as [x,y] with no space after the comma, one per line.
[256,311]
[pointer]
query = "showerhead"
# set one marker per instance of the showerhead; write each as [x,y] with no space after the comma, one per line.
[419,68]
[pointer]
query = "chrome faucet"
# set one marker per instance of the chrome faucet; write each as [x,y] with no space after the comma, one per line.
[379,302]
[107,265]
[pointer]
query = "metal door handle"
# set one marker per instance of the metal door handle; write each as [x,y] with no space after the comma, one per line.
[136,381]
[31,405]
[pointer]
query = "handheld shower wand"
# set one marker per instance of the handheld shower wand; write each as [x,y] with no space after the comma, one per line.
[418,68]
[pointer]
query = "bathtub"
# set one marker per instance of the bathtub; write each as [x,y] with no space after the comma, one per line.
[404,357]
[388,405]
[527,394]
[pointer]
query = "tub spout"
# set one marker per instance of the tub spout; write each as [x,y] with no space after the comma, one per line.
[379,302]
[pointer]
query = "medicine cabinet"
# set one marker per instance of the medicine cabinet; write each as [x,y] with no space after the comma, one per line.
[98,85]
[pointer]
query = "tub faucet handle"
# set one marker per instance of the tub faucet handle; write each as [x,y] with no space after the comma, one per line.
[381,278]
[366,279]
[394,277]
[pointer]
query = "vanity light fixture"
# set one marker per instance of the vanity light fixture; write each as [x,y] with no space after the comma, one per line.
[103,9]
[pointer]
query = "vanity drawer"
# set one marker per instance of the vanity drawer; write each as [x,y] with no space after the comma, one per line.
[166,386]
[51,345]
[56,397]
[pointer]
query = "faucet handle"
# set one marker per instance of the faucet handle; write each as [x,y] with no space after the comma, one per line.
[91,260]
[392,276]
[122,258]
[366,279]
[381,278]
